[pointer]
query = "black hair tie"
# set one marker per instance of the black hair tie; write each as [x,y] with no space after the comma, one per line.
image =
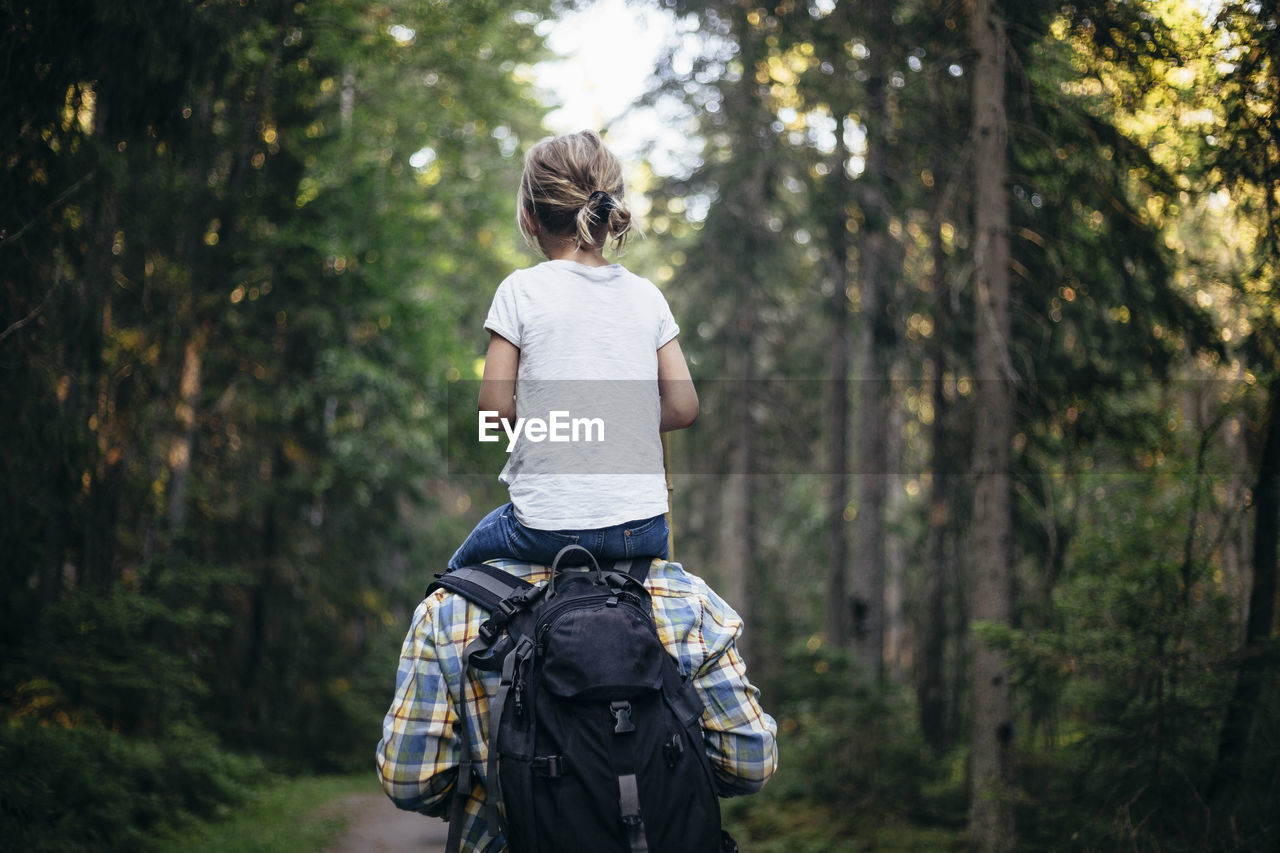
[605,206]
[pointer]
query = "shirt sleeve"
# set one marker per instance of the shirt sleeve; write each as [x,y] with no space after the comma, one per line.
[700,630]
[667,326]
[740,737]
[504,318]
[418,755]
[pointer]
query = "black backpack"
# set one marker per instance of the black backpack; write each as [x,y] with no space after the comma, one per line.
[595,738]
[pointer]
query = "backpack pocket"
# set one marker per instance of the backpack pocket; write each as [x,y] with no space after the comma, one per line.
[567,797]
[604,649]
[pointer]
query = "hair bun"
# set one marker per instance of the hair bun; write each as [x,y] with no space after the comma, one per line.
[556,196]
[604,203]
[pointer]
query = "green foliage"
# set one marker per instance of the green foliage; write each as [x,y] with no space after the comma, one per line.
[87,788]
[101,659]
[1130,515]
[854,771]
[1137,658]
[284,815]
[245,278]
[244,248]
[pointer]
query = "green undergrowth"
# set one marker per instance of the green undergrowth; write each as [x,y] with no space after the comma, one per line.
[86,788]
[854,773]
[285,816]
[773,826]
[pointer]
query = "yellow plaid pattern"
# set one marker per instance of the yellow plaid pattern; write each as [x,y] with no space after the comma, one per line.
[419,752]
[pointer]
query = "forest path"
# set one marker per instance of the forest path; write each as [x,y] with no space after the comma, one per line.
[376,826]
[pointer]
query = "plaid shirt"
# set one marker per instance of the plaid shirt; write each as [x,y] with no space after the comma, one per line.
[418,753]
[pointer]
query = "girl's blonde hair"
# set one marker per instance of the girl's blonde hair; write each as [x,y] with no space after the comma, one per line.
[572,187]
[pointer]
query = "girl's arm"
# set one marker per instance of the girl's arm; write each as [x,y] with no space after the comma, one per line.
[675,387]
[498,385]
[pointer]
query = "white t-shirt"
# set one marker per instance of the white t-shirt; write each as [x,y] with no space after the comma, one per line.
[588,339]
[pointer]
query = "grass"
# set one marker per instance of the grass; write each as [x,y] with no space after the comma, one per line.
[773,823]
[286,816]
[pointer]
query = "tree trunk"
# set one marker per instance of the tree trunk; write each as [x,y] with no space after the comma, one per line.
[218,258]
[750,201]
[837,615]
[63,463]
[180,448]
[1234,741]
[1236,550]
[931,689]
[876,358]
[101,221]
[991,824]
[735,525]
[899,648]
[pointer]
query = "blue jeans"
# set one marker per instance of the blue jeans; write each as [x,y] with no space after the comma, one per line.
[499,534]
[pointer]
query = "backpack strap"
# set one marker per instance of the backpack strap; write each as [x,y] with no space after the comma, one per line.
[626,762]
[636,568]
[511,666]
[488,586]
[481,584]
[463,781]
[499,592]
[501,595]
[629,572]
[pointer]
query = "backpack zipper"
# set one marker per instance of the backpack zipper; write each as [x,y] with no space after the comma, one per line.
[558,611]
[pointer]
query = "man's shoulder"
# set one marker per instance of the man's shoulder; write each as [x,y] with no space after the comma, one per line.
[693,621]
[670,578]
[665,577]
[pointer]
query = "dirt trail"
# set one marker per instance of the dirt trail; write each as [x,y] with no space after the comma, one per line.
[376,826]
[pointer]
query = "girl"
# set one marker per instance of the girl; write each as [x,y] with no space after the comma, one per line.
[583,339]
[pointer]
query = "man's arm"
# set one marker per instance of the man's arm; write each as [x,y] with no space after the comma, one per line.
[702,633]
[418,754]
[739,735]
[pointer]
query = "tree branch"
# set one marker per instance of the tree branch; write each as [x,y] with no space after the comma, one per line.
[8,240]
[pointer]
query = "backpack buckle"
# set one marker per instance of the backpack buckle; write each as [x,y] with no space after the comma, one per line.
[550,766]
[505,609]
[673,751]
[621,712]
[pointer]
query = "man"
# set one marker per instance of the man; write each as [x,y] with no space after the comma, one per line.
[418,755]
